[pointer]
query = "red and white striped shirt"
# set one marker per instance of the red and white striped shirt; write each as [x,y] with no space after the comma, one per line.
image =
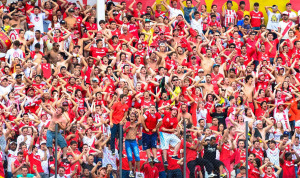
[230,16]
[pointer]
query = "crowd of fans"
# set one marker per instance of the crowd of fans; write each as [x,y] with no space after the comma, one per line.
[139,80]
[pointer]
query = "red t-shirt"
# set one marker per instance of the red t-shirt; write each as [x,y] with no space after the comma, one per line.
[256,18]
[98,51]
[35,160]
[288,169]
[119,111]
[151,121]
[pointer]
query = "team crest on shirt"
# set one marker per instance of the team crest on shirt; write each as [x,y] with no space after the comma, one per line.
[37,18]
[168,120]
[16,54]
[124,110]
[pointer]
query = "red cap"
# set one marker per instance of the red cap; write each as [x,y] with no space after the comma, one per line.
[76,32]
[75,8]
[30,25]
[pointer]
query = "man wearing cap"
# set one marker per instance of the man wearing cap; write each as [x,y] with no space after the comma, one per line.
[292,15]
[257,17]
[167,136]
[139,9]
[219,114]
[216,76]
[29,34]
[70,20]
[285,25]
[273,17]
[37,17]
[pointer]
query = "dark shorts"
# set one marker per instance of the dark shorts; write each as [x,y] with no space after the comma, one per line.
[149,141]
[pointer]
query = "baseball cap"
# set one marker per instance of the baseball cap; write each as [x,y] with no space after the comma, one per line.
[242,2]
[175,108]
[13,142]
[285,13]
[30,25]
[75,8]
[200,70]
[62,22]
[43,142]
[19,75]
[216,65]
[65,103]
[122,80]
[71,10]
[95,80]
[218,105]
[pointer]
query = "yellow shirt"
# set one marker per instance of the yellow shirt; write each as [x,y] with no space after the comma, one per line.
[151,31]
[6,27]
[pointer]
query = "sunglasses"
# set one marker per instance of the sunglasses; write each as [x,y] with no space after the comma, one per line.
[232,47]
[217,35]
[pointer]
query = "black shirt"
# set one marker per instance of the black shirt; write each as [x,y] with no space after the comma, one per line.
[210,152]
[220,116]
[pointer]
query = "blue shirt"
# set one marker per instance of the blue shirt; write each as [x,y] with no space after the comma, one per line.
[187,11]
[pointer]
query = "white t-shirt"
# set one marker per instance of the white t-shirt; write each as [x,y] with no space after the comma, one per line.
[201,114]
[29,35]
[273,20]
[108,158]
[37,21]
[197,25]
[174,12]
[44,164]
[89,141]
[284,25]
[13,53]
[4,90]
[283,117]
[273,155]
[11,157]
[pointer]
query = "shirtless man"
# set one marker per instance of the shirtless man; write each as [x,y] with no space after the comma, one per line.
[16,20]
[207,87]
[131,129]
[185,114]
[52,54]
[207,61]
[61,61]
[70,20]
[62,121]
[248,89]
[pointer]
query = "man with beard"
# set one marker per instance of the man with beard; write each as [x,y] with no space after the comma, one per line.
[185,114]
